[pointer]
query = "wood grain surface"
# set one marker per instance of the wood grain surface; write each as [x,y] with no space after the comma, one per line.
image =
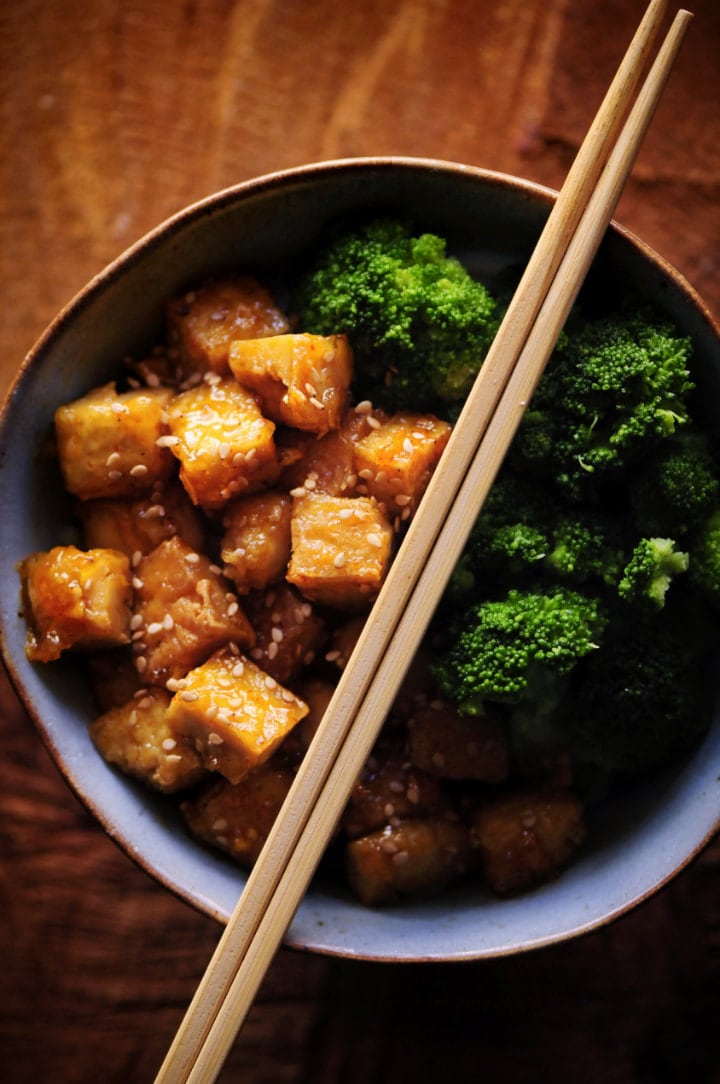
[114,115]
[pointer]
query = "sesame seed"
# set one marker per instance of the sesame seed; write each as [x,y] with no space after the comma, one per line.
[112,459]
[136,622]
[233,609]
[373,422]
[270,682]
[189,695]
[169,744]
[402,499]
[299,491]
[215,739]
[363,407]
[272,650]
[167,441]
[374,539]
[139,470]
[340,560]
[154,628]
[316,403]
[408,446]
[168,622]
[400,858]
[220,825]
[137,583]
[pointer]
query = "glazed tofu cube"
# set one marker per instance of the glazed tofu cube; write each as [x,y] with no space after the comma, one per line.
[233,713]
[255,547]
[184,610]
[524,838]
[113,677]
[108,442]
[225,446]
[325,464]
[390,788]
[75,599]
[139,525]
[203,323]
[237,817]
[317,694]
[453,746]
[289,632]
[137,739]
[395,460]
[302,380]
[415,858]
[341,549]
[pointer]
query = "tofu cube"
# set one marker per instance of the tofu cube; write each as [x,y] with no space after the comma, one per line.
[325,464]
[389,788]
[414,858]
[108,442]
[75,599]
[139,525]
[237,817]
[289,632]
[453,746]
[137,739]
[524,838]
[112,676]
[255,546]
[302,379]
[395,460]
[225,446]
[233,713]
[203,323]
[184,610]
[341,550]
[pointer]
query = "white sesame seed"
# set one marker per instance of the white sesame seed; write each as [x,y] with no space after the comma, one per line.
[167,441]
[363,407]
[374,539]
[139,470]
[189,695]
[340,560]
[136,622]
[169,744]
[154,628]
[215,739]
[408,446]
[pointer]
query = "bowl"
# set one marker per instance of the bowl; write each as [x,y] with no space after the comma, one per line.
[266,226]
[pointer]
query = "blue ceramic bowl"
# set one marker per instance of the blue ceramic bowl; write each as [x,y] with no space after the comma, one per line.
[492,221]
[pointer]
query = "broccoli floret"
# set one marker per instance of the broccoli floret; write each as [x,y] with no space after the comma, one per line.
[613,390]
[648,574]
[418,323]
[640,699]
[675,490]
[704,571]
[519,647]
[526,527]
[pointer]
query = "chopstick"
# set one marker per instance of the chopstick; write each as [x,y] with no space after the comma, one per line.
[428,554]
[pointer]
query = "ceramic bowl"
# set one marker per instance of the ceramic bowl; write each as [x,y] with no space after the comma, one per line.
[492,221]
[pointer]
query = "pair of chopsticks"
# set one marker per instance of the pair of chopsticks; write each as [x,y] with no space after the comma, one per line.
[427,556]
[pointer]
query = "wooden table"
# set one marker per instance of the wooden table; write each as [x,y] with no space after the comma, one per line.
[114,115]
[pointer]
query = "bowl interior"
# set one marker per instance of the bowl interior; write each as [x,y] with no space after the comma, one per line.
[266,227]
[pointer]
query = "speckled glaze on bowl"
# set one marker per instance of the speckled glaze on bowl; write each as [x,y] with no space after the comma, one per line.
[265,226]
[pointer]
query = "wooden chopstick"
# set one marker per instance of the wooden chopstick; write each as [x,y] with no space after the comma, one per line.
[431,548]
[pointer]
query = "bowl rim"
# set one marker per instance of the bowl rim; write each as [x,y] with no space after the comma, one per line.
[103,280]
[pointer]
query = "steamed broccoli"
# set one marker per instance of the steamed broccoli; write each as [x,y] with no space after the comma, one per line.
[676,489]
[651,568]
[704,569]
[418,323]
[613,389]
[527,527]
[640,699]
[519,647]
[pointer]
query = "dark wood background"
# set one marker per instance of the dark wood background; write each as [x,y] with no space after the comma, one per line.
[112,116]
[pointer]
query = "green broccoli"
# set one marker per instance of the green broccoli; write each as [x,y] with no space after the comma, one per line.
[527,527]
[653,565]
[704,570]
[518,647]
[613,390]
[640,699]
[418,323]
[676,489]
